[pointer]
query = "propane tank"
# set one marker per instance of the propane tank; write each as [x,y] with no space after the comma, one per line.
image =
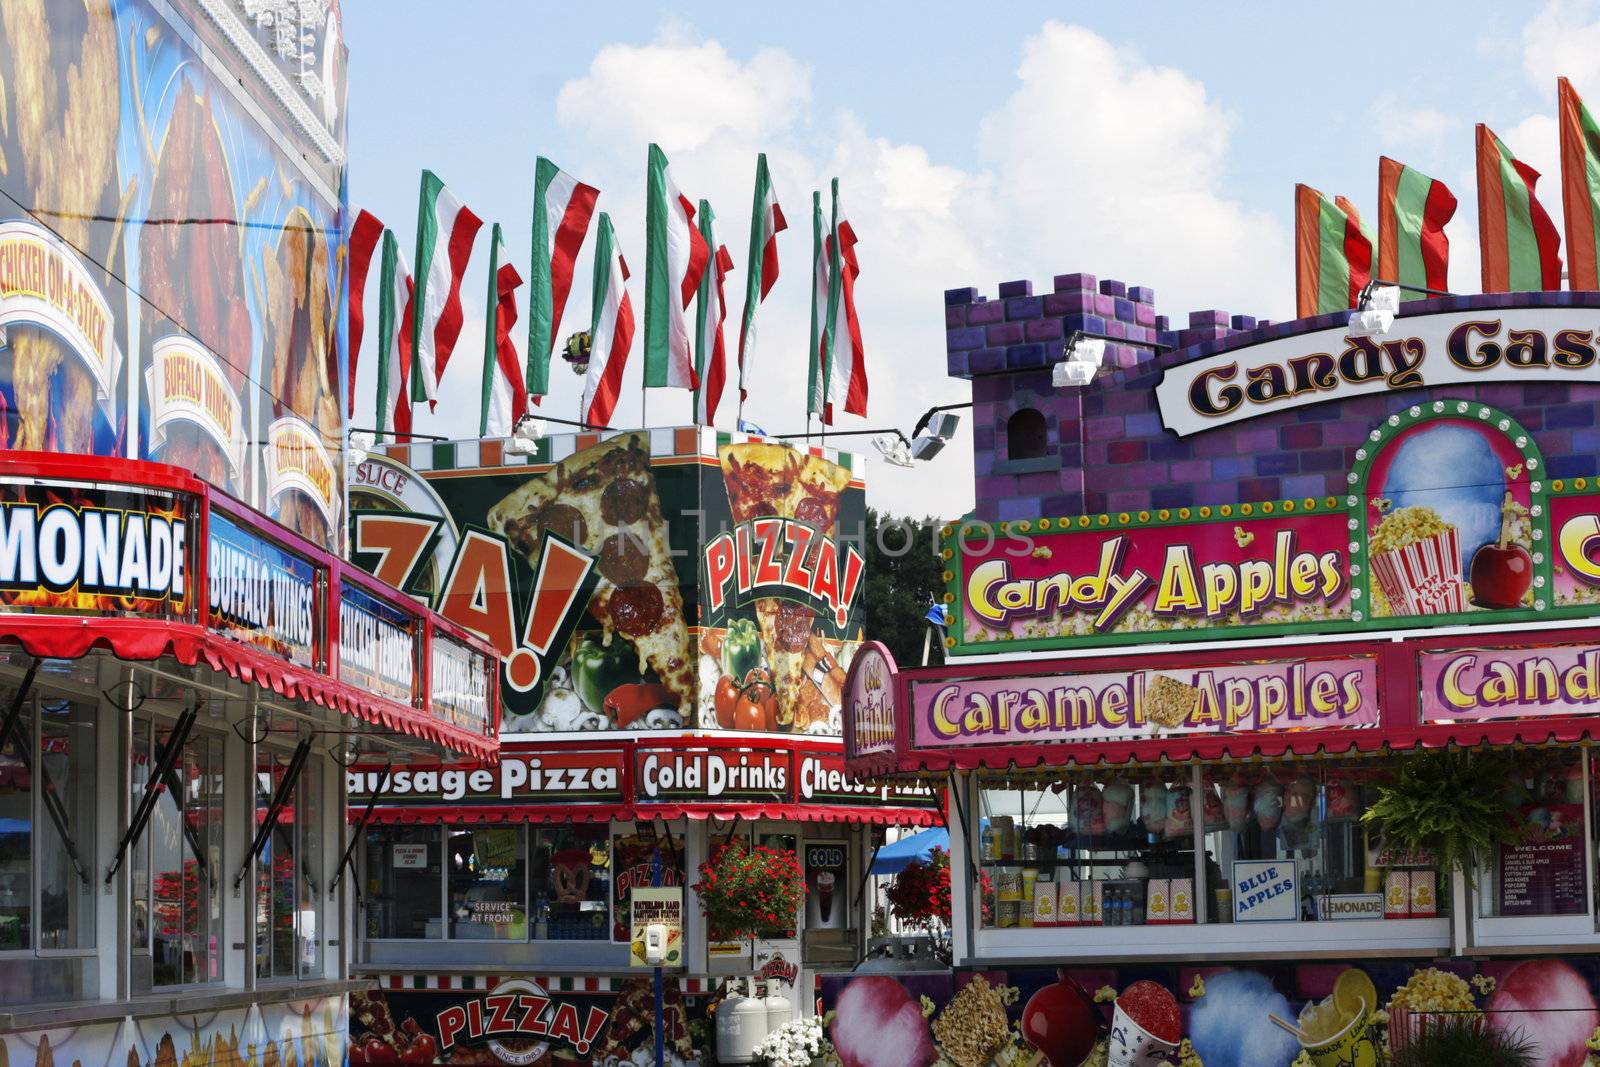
[779,1010]
[741,1026]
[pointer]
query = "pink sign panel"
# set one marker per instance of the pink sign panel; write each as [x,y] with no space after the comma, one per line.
[1056,584]
[1575,537]
[1476,684]
[1304,694]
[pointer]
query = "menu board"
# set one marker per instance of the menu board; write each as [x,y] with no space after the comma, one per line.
[1543,875]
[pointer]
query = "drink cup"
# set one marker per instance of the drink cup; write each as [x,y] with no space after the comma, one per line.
[825,894]
[1131,1045]
[1345,1047]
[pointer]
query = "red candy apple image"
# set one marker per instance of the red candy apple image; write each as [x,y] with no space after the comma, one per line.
[1060,1021]
[1502,571]
[877,1023]
[1500,575]
[1550,1003]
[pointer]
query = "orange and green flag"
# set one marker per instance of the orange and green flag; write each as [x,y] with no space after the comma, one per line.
[1580,188]
[1521,248]
[1412,211]
[1333,253]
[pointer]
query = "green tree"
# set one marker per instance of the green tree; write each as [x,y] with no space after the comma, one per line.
[904,576]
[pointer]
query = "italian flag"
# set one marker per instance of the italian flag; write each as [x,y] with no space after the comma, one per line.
[847,372]
[562,208]
[364,238]
[710,311]
[1412,211]
[766,220]
[675,259]
[505,398]
[1580,188]
[1521,249]
[394,341]
[445,232]
[1333,253]
[611,330]
[817,381]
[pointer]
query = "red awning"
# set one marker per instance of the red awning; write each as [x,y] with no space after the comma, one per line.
[61,637]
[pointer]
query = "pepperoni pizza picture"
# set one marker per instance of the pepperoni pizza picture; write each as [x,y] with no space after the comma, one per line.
[765,480]
[603,500]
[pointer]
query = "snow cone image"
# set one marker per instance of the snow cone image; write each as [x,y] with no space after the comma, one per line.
[1145,1027]
[1416,562]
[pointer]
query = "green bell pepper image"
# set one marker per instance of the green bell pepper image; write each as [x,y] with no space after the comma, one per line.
[598,668]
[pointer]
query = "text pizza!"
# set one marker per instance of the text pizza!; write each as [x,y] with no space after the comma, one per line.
[782,558]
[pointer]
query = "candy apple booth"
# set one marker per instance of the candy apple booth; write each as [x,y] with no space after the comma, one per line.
[1298,594]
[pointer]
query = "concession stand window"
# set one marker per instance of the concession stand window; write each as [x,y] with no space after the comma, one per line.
[1168,842]
[171,812]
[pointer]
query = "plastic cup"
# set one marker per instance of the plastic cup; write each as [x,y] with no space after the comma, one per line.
[1343,1048]
[1131,1045]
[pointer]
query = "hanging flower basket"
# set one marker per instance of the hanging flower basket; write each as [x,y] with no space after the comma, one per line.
[919,896]
[745,891]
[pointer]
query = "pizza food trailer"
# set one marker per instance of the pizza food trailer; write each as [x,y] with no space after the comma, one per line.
[678,608]
[1245,615]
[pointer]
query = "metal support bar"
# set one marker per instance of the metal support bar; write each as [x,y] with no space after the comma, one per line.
[166,759]
[14,713]
[866,873]
[175,787]
[348,859]
[961,813]
[732,829]
[280,800]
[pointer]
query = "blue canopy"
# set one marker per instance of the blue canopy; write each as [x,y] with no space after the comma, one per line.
[892,859]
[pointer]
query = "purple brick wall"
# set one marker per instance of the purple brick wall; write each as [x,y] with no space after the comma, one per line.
[1114,454]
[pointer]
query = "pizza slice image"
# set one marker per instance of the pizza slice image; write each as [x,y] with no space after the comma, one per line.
[764,480]
[604,500]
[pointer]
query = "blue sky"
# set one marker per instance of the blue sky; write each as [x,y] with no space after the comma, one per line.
[1157,143]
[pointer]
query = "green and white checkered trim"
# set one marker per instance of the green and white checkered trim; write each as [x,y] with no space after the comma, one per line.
[665,442]
[552,983]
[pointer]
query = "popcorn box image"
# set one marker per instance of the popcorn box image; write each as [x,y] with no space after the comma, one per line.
[1045,901]
[1424,895]
[1416,562]
[1158,900]
[1089,909]
[1180,896]
[1397,895]
[1069,903]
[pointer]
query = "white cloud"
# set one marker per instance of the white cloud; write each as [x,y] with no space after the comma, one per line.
[1563,38]
[1107,163]
[1398,124]
[684,93]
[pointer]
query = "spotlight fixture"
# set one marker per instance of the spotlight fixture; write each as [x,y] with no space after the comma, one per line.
[525,436]
[893,448]
[1375,310]
[1082,358]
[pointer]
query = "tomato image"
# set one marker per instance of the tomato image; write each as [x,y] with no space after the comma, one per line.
[727,696]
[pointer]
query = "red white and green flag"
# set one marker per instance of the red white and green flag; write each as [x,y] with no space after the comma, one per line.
[711,364]
[562,208]
[1580,188]
[761,270]
[847,371]
[610,331]
[364,237]
[676,257]
[445,232]
[505,398]
[1412,212]
[817,380]
[394,341]
[1333,253]
[1521,248]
